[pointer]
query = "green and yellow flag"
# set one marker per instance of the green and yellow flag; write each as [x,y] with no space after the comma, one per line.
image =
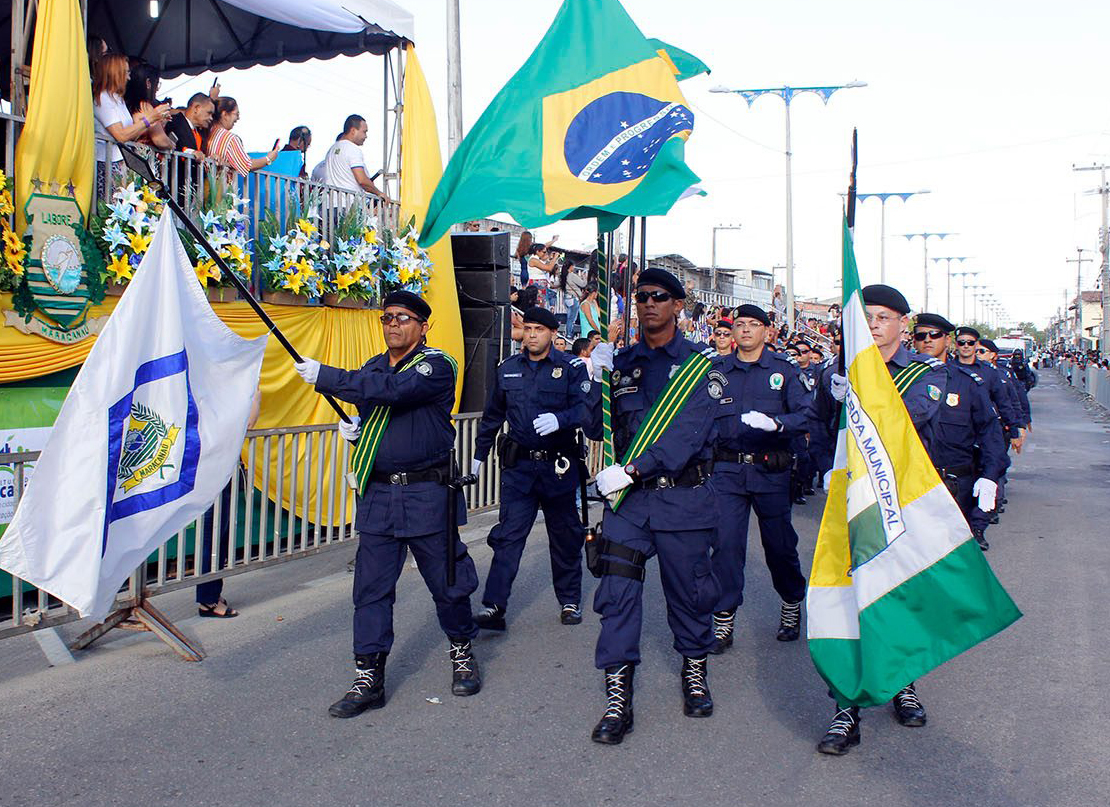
[55,150]
[898,586]
[592,126]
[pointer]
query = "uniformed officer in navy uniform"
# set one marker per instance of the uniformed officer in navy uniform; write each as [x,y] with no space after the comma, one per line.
[969,451]
[1019,401]
[669,511]
[544,394]
[764,407]
[804,466]
[403,506]
[823,429]
[888,318]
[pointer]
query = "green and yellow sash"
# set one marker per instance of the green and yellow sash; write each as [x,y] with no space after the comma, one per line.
[373,428]
[908,375]
[665,409]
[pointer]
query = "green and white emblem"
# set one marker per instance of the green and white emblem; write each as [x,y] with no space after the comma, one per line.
[934,392]
[146,447]
[776,380]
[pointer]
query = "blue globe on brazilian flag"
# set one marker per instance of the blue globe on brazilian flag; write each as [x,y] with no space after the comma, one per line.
[596,130]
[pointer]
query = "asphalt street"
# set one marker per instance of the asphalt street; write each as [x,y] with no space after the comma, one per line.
[1018,720]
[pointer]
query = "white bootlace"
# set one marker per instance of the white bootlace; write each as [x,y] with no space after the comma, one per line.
[460,656]
[907,698]
[842,723]
[695,676]
[791,614]
[572,610]
[722,626]
[614,687]
[363,683]
[489,611]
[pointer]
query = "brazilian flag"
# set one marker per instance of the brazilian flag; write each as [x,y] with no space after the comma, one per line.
[592,126]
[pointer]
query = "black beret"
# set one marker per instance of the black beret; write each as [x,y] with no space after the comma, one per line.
[934,321]
[967,329]
[724,321]
[664,280]
[887,296]
[989,345]
[406,299]
[752,311]
[541,316]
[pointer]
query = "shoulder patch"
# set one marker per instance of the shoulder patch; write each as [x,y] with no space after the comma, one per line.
[717,375]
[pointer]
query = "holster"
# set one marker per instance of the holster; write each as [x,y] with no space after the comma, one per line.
[631,562]
[777,460]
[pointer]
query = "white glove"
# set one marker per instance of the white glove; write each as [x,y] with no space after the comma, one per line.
[612,480]
[838,386]
[545,424]
[475,467]
[309,370]
[985,491]
[758,420]
[350,431]
[602,359]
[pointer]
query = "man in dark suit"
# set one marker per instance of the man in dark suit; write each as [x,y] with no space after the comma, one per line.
[186,128]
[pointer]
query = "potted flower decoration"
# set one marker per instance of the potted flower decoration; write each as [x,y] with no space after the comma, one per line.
[294,264]
[405,266]
[225,227]
[355,264]
[15,250]
[126,231]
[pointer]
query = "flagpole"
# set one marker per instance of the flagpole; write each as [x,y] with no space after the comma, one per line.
[141,167]
[603,280]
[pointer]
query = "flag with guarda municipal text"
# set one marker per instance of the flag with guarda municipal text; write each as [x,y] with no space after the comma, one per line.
[593,125]
[898,585]
[147,438]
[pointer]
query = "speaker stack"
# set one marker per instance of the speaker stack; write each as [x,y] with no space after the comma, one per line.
[482,275]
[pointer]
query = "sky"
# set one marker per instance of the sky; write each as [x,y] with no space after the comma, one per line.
[986,104]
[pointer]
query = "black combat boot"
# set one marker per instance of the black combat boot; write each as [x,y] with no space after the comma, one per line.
[696,700]
[790,620]
[571,614]
[722,631]
[465,677]
[908,708]
[368,689]
[617,720]
[981,540]
[843,732]
[492,617]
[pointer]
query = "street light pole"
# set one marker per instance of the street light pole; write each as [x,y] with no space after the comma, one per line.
[787,94]
[925,241]
[883,197]
[454,78]
[1078,261]
[948,287]
[963,276]
[1104,245]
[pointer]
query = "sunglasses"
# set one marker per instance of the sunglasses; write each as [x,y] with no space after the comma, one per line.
[965,342]
[402,319]
[982,350]
[659,296]
[723,333]
[921,336]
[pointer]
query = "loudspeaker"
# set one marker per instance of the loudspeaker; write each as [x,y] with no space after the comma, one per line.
[486,323]
[487,285]
[480,371]
[480,250]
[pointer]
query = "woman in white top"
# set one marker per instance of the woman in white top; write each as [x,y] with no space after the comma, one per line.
[113,121]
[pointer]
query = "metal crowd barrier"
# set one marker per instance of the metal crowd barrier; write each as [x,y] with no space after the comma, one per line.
[1092,380]
[313,512]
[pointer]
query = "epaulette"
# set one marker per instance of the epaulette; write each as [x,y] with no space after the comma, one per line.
[921,358]
[576,362]
[786,357]
[709,353]
[509,359]
[978,378]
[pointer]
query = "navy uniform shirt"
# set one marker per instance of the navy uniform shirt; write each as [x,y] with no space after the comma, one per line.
[997,387]
[967,419]
[923,397]
[557,383]
[419,435]
[810,377]
[1018,393]
[772,384]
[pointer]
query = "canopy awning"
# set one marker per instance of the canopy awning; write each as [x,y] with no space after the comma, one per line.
[189,37]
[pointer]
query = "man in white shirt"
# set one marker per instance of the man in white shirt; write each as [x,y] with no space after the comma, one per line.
[345,166]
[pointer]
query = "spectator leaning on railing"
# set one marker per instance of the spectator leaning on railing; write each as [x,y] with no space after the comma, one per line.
[141,97]
[112,119]
[299,140]
[345,167]
[227,148]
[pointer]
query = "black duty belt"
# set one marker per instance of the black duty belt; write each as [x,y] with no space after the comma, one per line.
[956,470]
[407,477]
[690,477]
[737,456]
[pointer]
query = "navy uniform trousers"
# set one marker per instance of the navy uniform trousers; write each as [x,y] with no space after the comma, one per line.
[653,521]
[528,486]
[776,532]
[381,558]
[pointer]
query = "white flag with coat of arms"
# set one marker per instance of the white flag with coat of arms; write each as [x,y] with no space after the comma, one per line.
[148,436]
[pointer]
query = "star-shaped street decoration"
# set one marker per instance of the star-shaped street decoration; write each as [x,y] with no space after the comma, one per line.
[55,188]
[37,183]
[71,189]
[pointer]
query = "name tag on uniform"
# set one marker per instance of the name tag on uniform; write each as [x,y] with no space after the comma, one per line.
[512,375]
[621,391]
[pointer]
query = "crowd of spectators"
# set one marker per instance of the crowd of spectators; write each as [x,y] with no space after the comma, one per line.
[127,109]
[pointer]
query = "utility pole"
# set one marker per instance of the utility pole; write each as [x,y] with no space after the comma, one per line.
[1104,247]
[1078,261]
[454,79]
[713,253]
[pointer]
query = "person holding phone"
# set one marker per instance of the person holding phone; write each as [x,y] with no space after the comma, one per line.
[227,148]
[345,166]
